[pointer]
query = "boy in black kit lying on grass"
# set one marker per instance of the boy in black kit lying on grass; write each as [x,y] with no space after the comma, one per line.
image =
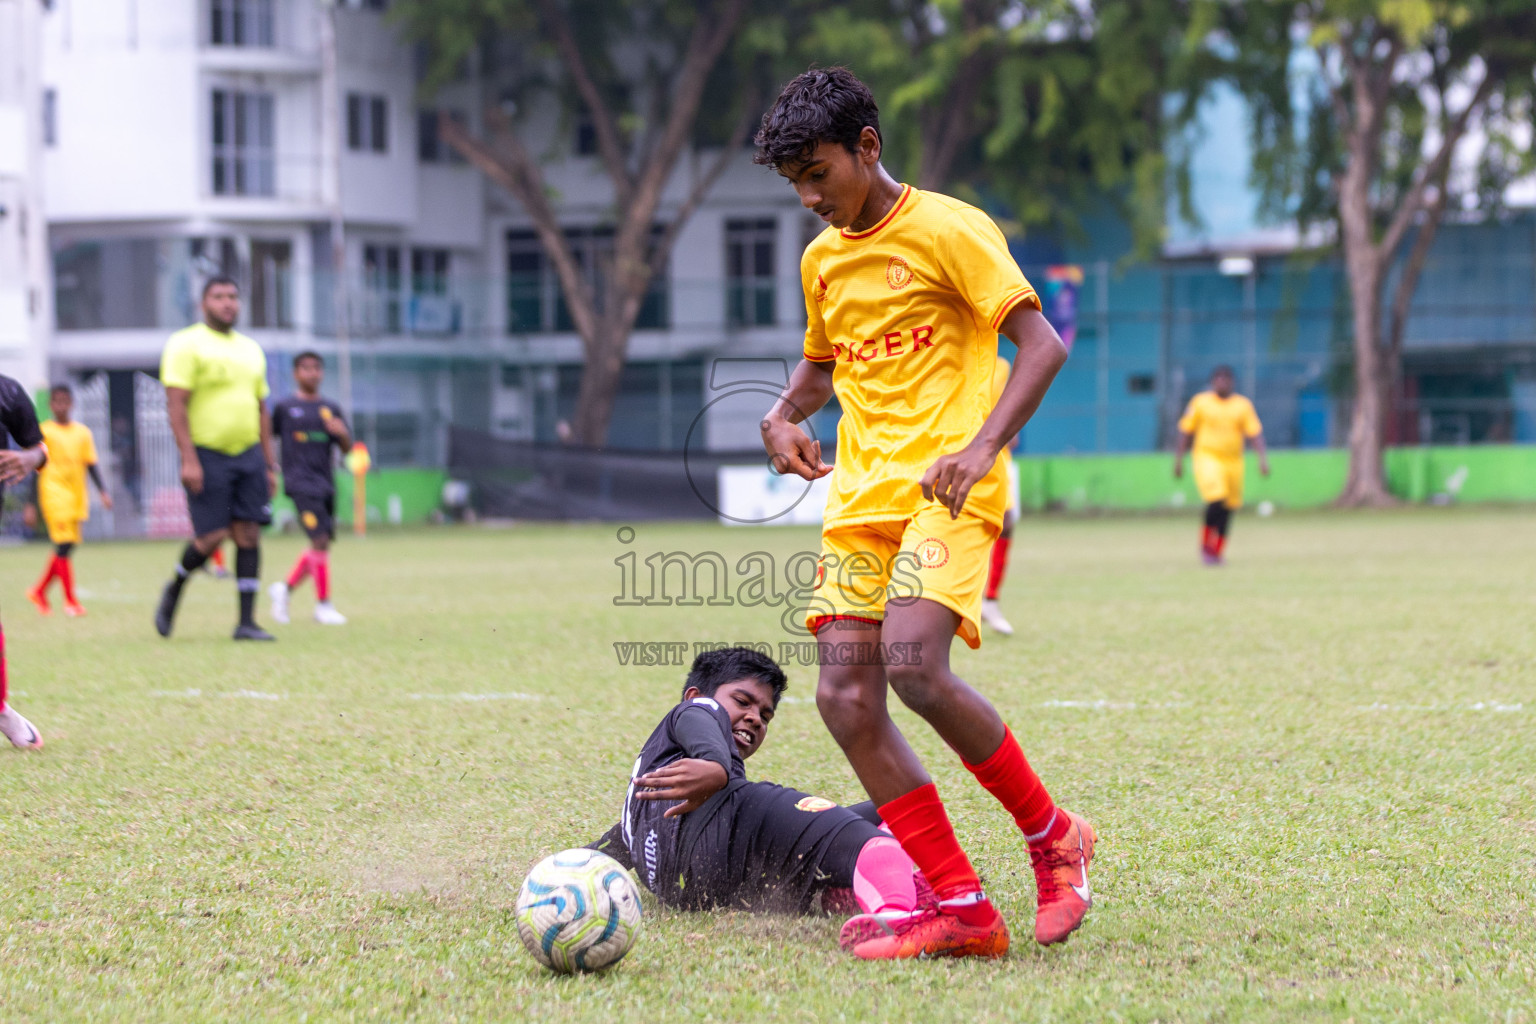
[702,836]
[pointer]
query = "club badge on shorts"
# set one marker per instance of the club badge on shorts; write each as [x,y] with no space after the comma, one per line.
[931,552]
[814,804]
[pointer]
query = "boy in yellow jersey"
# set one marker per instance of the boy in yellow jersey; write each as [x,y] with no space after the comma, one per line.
[906,292]
[1216,423]
[61,495]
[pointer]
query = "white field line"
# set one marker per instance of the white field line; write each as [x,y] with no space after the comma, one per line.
[1477,705]
[1109,705]
[476,697]
[233,695]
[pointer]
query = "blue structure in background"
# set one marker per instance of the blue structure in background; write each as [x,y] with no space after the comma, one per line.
[1149,334]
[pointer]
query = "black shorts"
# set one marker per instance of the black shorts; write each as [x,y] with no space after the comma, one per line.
[317,514]
[234,491]
[768,848]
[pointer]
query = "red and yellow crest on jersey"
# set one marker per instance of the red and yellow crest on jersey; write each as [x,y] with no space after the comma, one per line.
[897,273]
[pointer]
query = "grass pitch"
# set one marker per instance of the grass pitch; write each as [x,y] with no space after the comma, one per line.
[1312,773]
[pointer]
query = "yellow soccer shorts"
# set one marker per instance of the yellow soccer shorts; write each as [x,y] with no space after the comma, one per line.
[928,556]
[62,529]
[1219,479]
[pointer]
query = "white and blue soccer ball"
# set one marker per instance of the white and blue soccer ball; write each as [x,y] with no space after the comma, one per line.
[578,911]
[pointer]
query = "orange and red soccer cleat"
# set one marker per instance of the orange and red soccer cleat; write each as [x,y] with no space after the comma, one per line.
[1061,875]
[933,930]
[74,609]
[40,599]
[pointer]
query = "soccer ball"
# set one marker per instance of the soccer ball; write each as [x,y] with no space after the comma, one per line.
[578,911]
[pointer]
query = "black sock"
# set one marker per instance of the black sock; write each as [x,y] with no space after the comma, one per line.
[1223,518]
[1213,513]
[247,582]
[191,560]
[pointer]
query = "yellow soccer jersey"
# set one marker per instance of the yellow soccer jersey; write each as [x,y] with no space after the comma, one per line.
[61,482]
[908,313]
[1220,424]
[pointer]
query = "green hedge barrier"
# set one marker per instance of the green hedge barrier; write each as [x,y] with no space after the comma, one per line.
[1300,478]
[395,497]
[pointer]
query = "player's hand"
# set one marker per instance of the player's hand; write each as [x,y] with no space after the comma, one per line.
[691,780]
[271,482]
[106,501]
[1264,467]
[950,479]
[791,451]
[336,428]
[1178,469]
[192,476]
[15,464]
[29,517]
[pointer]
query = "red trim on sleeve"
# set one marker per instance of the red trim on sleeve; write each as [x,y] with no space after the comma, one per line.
[821,359]
[1026,292]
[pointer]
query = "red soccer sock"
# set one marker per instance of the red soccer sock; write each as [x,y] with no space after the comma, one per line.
[320,565]
[1008,776]
[48,576]
[882,877]
[66,571]
[999,566]
[216,556]
[1218,543]
[918,820]
[300,570]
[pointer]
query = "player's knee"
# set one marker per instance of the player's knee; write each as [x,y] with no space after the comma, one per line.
[922,688]
[848,704]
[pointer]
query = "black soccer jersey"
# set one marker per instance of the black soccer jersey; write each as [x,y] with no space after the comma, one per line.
[18,416]
[299,424]
[751,846]
[700,729]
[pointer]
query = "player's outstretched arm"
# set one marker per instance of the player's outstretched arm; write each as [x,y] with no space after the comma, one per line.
[1041,356]
[1185,440]
[791,451]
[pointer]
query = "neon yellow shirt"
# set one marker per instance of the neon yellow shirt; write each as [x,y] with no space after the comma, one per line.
[907,313]
[227,376]
[1220,425]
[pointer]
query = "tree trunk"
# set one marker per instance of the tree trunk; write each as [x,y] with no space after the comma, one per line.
[600,382]
[1366,484]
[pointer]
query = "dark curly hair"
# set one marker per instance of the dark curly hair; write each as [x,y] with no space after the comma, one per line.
[713,669]
[821,105]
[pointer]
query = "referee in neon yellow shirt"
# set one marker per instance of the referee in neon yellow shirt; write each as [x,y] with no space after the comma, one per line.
[216,395]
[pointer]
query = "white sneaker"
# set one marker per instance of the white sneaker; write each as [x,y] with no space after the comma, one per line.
[278,593]
[22,734]
[992,615]
[327,615]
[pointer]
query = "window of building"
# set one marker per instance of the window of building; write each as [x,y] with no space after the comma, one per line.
[429,271]
[430,147]
[367,123]
[241,23]
[433,309]
[750,297]
[270,301]
[383,284]
[244,161]
[50,117]
[534,298]
[365,5]
[586,135]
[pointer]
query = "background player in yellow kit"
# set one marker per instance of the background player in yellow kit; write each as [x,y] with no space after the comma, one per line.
[1216,423]
[906,292]
[61,495]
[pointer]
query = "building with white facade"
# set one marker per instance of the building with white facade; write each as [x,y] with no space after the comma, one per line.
[190,137]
